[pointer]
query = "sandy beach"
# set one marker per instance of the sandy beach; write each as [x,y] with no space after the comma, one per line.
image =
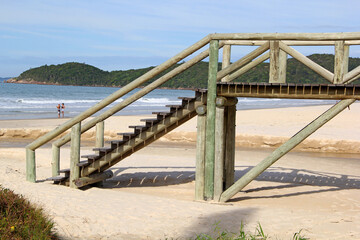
[315,188]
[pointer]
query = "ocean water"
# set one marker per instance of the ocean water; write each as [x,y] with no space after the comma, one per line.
[29,101]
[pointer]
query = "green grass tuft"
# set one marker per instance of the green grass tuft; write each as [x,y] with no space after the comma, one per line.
[19,219]
[259,234]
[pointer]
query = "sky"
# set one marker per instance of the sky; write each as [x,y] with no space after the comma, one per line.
[122,34]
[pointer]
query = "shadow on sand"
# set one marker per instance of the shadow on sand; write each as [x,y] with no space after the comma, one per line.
[164,176]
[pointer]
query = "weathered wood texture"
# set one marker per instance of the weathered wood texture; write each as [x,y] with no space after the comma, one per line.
[210,120]
[75,154]
[30,165]
[100,128]
[243,61]
[55,161]
[306,61]
[230,143]
[200,153]
[219,148]
[93,178]
[226,60]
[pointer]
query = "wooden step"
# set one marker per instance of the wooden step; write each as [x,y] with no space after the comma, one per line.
[162,115]
[150,122]
[139,128]
[57,179]
[127,136]
[84,163]
[92,157]
[174,108]
[117,143]
[186,100]
[103,150]
[66,171]
[200,92]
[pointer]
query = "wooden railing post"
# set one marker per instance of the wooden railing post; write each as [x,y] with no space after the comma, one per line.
[339,62]
[75,154]
[219,147]
[210,120]
[200,153]
[274,69]
[30,165]
[226,60]
[99,142]
[230,112]
[55,162]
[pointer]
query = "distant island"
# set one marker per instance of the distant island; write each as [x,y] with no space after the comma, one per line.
[81,74]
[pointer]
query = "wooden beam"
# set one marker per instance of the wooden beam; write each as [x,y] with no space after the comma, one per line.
[99,141]
[91,123]
[282,66]
[219,148]
[249,66]
[288,42]
[210,120]
[274,67]
[285,148]
[200,153]
[339,62]
[93,178]
[75,154]
[30,165]
[307,62]
[241,62]
[352,75]
[287,36]
[55,161]
[230,112]
[226,60]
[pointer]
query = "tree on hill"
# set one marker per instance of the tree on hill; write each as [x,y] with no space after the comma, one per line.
[195,77]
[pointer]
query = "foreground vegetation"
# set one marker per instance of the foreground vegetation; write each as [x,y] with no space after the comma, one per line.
[21,220]
[195,77]
[242,235]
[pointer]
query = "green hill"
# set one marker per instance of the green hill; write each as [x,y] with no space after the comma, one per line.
[82,74]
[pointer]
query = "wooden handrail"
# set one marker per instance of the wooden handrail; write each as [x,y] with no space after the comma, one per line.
[118,94]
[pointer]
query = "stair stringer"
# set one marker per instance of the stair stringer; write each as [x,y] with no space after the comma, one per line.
[169,123]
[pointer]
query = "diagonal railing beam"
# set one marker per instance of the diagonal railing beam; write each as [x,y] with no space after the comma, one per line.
[137,95]
[245,60]
[285,148]
[119,93]
[352,75]
[308,62]
[248,67]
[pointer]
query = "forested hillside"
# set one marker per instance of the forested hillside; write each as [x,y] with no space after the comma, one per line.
[195,77]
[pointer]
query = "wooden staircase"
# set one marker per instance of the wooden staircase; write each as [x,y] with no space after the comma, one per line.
[143,135]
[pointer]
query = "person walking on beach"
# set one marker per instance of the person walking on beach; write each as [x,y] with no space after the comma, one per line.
[58,109]
[62,109]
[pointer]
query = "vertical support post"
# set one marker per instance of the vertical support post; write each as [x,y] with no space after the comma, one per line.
[346,59]
[200,153]
[75,154]
[282,66]
[226,60]
[219,148]
[230,143]
[30,165]
[210,120]
[339,62]
[274,62]
[99,141]
[55,162]
[285,148]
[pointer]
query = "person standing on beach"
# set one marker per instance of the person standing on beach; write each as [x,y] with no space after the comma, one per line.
[58,108]
[62,109]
